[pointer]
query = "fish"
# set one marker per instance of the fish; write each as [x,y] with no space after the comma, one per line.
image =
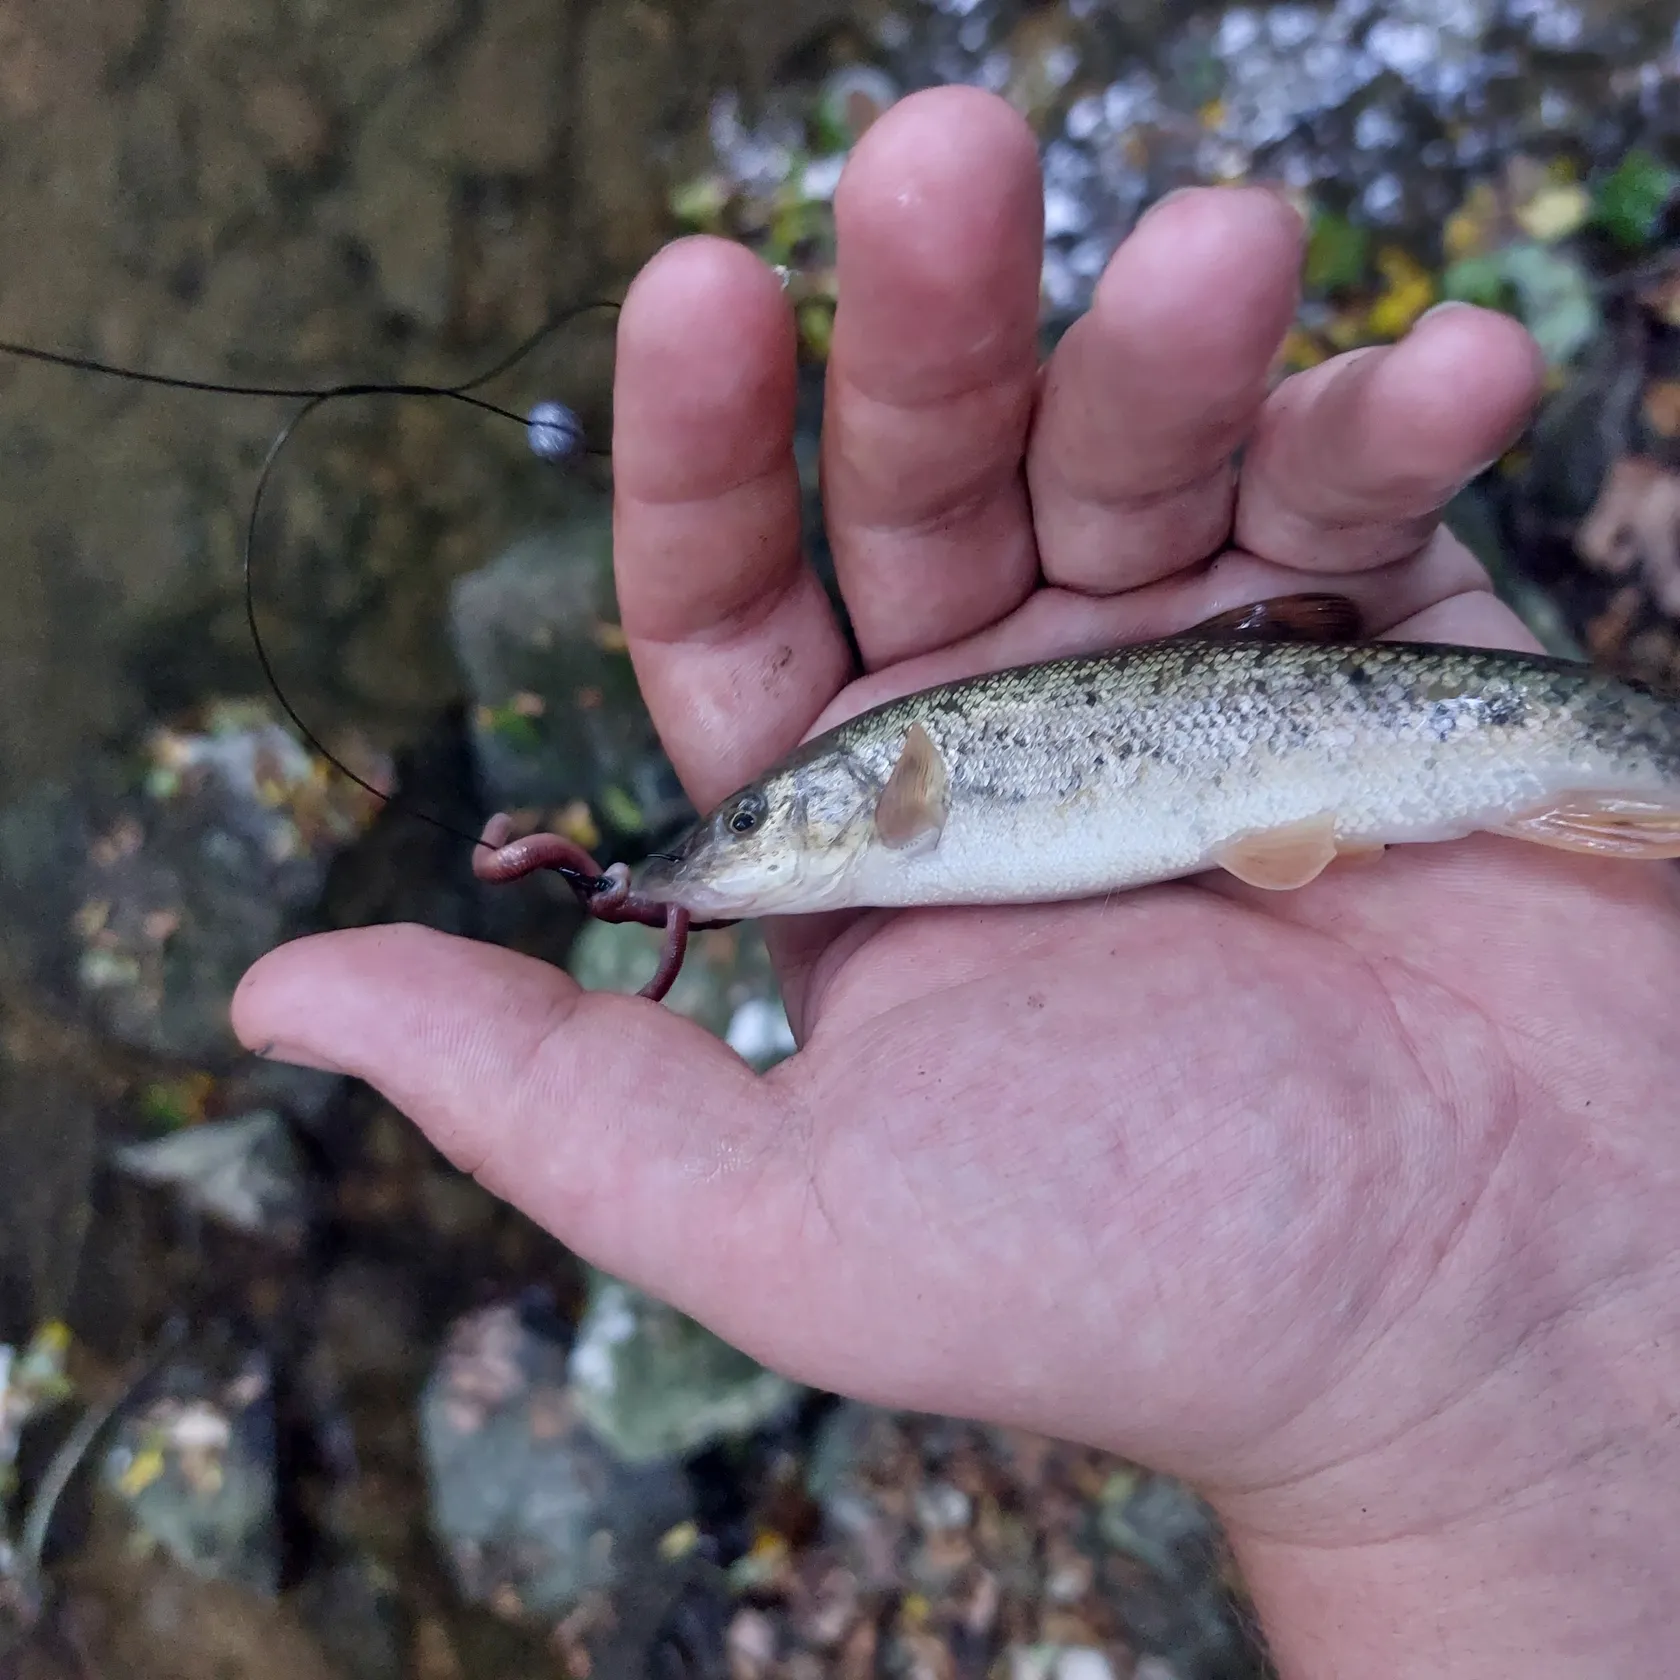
[1267,742]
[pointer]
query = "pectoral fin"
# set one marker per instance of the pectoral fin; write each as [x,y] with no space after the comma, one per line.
[911,812]
[1280,859]
[1605,827]
[1288,618]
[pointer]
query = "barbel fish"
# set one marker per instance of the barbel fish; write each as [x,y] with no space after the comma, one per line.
[1267,743]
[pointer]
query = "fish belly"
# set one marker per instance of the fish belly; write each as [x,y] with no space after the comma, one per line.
[1165,821]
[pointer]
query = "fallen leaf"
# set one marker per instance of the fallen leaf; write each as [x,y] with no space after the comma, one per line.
[1555,300]
[1408,290]
[1662,407]
[1299,350]
[577,822]
[1634,527]
[1555,212]
[1630,200]
[1336,253]
[1607,634]
[1472,229]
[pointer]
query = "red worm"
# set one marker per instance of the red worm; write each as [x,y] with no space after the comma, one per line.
[605,895]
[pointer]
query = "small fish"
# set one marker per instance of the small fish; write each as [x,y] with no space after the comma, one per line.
[1266,742]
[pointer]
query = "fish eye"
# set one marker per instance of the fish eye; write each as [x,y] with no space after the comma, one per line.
[747,815]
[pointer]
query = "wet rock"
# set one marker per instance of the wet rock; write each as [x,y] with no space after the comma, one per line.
[147,1618]
[636,60]
[353,1613]
[536,1515]
[33,1379]
[656,1385]
[195,1466]
[727,983]
[1176,1606]
[182,884]
[401,203]
[300,1093]
[49,1120]
[244,1172]
[559,724]
[292,124]
[509,95]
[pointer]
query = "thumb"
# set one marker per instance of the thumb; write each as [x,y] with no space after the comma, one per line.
[631,1133]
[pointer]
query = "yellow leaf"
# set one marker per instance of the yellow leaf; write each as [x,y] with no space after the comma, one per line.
[1345,329]
[577,823]
[1299,350]
[1555,212]
[143,1469]
[1469,231]
[1408,290]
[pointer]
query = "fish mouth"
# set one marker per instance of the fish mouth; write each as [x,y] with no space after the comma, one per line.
[696,884]
[679,878]
[659,876]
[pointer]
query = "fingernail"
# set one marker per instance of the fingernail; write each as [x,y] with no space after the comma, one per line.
[276,1051]
[1287,195]
[1440,308]
[1164,200]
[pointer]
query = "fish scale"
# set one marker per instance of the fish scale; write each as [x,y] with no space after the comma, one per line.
[1092,774]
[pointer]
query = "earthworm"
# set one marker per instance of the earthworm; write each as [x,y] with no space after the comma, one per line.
[605,894]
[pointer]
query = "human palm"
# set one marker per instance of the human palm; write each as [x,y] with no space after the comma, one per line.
[1241,1184]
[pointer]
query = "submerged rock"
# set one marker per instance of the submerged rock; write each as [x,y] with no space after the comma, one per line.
[195,1466]
[559,726]
[654,1384]
[537,1516]
[245,1172]
[183,882]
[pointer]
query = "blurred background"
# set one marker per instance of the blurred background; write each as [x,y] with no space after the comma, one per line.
[281,1394]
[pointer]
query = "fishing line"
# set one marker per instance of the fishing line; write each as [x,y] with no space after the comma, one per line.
[553,432]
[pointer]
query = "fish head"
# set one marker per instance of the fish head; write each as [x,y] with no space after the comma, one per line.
[783,844]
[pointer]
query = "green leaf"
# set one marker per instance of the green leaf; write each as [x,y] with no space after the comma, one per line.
[514,729]
[700,204]
[1478,280]
[621,810]
[1630,200]
[1336,253]
[166,1107]
[1554,298]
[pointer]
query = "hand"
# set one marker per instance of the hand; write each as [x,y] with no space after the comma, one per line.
[1354,1206]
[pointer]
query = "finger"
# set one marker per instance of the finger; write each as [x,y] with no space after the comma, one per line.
[939,222]
[1352,462]
[633,1134]
[733,640]
[1478,620]
[1149,393]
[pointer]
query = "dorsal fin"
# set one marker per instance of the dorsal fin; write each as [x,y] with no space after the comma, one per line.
[1287,618]
[913,805]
